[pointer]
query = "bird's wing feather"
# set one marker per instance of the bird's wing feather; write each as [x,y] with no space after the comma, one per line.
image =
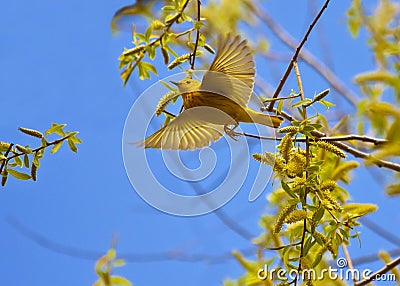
[194,128]
[232,72]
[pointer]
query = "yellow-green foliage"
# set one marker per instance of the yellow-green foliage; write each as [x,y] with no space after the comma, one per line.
[331,148]
[296,164]
[13,156]
[285,146]
[283,215]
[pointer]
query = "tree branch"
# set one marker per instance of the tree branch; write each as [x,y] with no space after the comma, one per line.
[193,57]
[5,160]
[356,153]
[295,55]
[381,271]
[307,56]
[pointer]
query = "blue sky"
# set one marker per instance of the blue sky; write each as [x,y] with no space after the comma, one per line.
[59,64]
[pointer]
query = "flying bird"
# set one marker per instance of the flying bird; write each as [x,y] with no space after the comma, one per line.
[220,100]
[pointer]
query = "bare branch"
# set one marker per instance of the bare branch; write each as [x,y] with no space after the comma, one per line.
[295,55]
[382,232]
[373,257]
[193,57]
[307,56]
[378,273]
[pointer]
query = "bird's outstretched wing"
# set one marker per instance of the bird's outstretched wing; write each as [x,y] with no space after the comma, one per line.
[194,128]
[232,72]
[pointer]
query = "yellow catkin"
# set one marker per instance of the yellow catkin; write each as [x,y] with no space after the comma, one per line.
[288,129]
[165,100]
[22,149]
[295,216]
[34,172]
[4,178]
[331,148]
[157,25]
[328,186]
[285,146]
[321,237]
[179,61]
[326,243]
[298,182]
[343,169]
[308,275]
[31,132]
[296,164]
[165,55]
[285,212]
[266,158]
[134,50]
[4,145]
[329,202]
[393,190]
[279,166]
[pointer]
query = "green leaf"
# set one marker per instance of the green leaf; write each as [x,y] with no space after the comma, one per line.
[147,34]
[56,147]
[198,24]
[344,233]
[280,106]
[118,280]
[317,259]
[76,140]
[308,244]
[186,17]
[286,188]
[149,67]
[18,161]
[319,215]
[56,128]
[168,9]
[72,145]
[18,175]
[119,263]
[302,102]
[111,254]
[327,104]
[36,160]
[26,161]
[170,18]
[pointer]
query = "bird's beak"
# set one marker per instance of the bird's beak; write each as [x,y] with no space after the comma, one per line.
[174,82]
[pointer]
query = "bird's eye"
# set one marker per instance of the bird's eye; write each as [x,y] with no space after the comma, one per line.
[188,81]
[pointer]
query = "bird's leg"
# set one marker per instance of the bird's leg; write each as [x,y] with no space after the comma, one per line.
[231,131]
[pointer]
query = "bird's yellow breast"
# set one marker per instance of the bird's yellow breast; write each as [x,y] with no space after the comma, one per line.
[210,99]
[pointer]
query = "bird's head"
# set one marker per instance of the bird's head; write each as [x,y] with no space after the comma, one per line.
[187,85]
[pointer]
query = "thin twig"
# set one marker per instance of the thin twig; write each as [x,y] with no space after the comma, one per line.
[304,200]
[283,246]
[350,137]
[5,160]
[41,147]
[280,98]
[356,153]
[373,257]
[381,231]
[349,262]
[295,55]
[378,273]
[135,257]
[193,56]
[307,56]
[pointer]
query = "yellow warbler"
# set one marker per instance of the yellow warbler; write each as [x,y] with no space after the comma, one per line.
[216,102]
